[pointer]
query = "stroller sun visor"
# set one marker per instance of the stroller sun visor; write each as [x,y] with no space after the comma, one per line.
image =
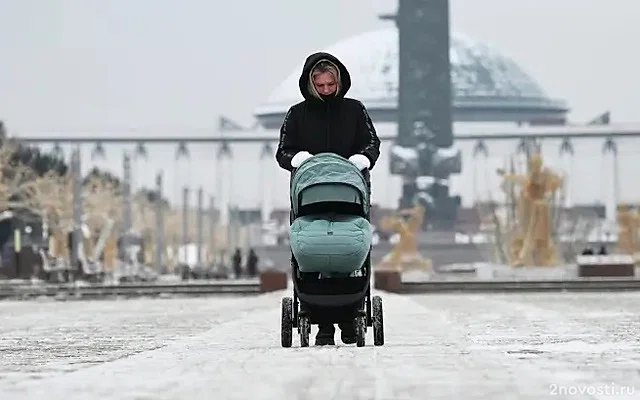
[328,177]
[332,192]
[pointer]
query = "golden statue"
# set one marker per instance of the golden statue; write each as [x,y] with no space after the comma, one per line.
[531,239]
[405,254]
[628,225]
[110,253]
[58,245]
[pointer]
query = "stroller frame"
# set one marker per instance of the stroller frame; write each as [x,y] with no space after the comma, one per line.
[332,300]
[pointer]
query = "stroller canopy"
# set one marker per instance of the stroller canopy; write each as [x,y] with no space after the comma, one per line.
[327,170]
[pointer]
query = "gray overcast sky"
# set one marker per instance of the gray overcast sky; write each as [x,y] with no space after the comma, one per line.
[99,65]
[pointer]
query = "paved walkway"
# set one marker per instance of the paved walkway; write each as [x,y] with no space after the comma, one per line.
[573,346]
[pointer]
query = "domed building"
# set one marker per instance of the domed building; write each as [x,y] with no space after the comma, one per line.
[487,86]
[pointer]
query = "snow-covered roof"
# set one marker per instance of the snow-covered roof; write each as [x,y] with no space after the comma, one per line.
[478,72]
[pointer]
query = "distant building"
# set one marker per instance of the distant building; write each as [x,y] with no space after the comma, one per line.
[487,86]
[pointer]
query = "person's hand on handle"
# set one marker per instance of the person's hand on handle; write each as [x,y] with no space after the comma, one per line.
[299,158]
[361,161]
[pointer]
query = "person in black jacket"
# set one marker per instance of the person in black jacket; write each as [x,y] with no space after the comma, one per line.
[327,121]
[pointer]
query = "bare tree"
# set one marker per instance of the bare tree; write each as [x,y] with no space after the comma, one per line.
[52,196]
[17,180]
[102,201]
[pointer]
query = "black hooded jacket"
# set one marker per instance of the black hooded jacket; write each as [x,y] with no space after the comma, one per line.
[338,125]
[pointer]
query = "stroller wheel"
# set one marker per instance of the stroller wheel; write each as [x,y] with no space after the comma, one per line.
[361,330]
[304,328]
[286,328]
[378,321]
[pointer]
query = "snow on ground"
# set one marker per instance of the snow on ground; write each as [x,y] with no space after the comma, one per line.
[516,346]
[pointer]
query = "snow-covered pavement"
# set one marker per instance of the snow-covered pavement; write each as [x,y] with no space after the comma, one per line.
[529,346]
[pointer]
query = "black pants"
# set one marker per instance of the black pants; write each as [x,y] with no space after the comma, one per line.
[329,316]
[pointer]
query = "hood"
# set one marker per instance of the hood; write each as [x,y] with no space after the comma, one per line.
[311,61]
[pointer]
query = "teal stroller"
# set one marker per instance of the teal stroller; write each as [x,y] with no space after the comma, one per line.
[330,239]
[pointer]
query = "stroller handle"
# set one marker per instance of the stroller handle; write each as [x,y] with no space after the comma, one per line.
[365,172]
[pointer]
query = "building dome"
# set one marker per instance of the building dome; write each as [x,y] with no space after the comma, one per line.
[487,86]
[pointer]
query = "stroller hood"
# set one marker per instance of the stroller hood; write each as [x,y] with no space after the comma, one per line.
[327,168]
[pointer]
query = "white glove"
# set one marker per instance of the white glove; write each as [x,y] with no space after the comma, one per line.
[361,161]
[299,158]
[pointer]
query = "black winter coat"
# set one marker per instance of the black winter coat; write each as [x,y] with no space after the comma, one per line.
[338,125]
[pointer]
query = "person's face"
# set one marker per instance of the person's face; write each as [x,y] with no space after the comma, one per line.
[325,83]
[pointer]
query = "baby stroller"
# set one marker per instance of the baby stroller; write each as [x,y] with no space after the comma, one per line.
[330,241]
